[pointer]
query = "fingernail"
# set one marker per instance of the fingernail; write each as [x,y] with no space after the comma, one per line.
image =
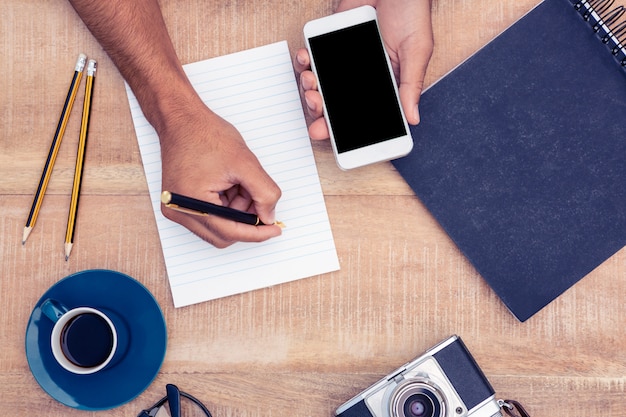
[309,104]
[301,59]
[306,83]
[271,218]
[416,114]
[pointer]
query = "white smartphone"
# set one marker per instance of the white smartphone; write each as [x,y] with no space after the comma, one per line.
[359,92]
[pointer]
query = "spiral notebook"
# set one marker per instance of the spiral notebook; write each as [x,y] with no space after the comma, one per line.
[521,151]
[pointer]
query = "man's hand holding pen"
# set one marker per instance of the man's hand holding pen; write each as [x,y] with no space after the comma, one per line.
[197,207]
[220,169]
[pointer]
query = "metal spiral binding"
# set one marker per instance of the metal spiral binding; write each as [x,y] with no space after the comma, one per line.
[610,18]
[606,23]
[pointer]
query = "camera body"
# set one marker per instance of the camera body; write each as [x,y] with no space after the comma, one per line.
[444,382]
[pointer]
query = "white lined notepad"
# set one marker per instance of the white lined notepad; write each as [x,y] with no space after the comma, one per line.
[256,91]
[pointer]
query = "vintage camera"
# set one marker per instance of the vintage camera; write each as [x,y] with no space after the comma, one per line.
[443,382]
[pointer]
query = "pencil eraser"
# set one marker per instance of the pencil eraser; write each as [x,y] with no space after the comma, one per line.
[91,67]
[80,63]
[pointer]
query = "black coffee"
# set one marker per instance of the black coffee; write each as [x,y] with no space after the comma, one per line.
[87,340]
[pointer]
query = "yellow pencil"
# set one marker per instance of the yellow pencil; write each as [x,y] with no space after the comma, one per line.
[54,147]
[80,158]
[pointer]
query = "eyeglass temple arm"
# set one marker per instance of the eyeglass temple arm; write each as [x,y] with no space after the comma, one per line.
[173,398]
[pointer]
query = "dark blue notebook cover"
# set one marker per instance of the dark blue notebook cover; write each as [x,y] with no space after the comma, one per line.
[521,155]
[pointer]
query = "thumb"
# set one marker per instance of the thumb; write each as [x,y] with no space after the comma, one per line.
[351,4]
[264,193]
[413,64]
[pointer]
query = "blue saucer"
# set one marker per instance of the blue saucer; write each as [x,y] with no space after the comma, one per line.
[125,380]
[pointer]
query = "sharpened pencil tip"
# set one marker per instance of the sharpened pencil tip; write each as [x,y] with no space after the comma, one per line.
[27,231]
[68,251]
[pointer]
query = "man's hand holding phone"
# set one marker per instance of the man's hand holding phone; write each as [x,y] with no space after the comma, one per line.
[406,29]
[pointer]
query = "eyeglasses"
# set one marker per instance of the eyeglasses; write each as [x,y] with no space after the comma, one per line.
[180,403]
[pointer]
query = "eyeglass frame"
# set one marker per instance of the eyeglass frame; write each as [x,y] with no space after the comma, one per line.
[173,398]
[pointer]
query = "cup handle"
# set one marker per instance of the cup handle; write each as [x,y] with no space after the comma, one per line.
[53,309]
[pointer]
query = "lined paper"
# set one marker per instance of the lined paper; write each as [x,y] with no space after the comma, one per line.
[256,91]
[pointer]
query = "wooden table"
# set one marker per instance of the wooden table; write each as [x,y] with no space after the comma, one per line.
[302,348]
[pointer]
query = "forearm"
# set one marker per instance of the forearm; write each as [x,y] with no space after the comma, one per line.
[202,155]
[134,35]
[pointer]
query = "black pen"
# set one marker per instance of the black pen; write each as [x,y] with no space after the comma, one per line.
[203,208]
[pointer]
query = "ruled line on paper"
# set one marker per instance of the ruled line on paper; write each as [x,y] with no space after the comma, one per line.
[256,91]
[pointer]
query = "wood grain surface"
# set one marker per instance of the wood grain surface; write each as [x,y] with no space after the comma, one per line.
[302,348]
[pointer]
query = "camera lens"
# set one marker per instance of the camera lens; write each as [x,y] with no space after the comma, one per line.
[417,398]
[419,405]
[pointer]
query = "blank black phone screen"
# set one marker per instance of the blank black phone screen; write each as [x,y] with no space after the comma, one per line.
[361,103]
